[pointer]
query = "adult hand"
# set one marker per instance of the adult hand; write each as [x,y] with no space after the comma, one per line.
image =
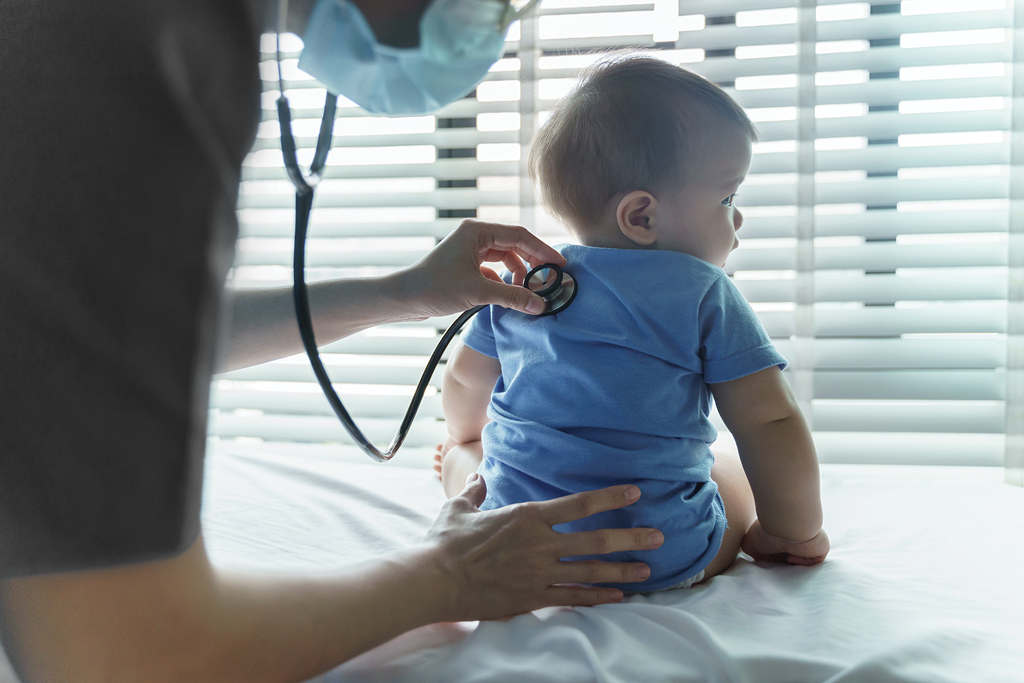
[762,545]
[507,561]
[452,277]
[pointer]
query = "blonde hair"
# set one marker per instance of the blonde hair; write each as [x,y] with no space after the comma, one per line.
[632,123]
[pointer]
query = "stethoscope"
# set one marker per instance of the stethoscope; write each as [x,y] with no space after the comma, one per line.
[555,287]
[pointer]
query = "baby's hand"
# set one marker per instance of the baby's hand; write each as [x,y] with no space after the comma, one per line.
[761,545]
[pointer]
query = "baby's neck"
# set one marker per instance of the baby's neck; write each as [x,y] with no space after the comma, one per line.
[607,239]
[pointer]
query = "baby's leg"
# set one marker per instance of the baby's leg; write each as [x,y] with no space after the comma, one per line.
[459,462]
[739,508]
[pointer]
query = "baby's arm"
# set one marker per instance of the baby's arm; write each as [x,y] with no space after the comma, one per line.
[780,462]
[469,378]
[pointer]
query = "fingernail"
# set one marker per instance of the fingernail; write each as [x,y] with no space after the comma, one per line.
[535,305]
[643,571]
[615,595]
[632,493]
[471,479]
[656,538]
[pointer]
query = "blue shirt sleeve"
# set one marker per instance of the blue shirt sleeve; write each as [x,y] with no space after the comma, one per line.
[733,343]
[479,336]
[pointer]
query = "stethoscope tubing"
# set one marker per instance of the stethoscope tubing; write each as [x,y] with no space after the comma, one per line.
[305,185]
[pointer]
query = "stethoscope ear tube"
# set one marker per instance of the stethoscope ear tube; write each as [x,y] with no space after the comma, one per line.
[563,288]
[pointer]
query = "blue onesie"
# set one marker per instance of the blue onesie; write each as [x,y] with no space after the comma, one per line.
[614,390]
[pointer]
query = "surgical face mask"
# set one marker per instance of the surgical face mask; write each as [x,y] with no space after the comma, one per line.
[459,41]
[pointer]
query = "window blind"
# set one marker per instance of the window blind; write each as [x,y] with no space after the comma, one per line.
[883,217]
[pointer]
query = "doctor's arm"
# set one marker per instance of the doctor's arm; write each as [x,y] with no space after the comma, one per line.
[181,619]
[450,279]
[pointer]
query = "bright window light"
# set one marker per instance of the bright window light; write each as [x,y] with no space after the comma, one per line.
[582,61]
[768,212]
[839,241]
[399,154]
[265,158]
[335,186]
[374,185]
[582,4]
[772,306]
[762,114]
[687,56]
[289,69]
[930,172]
[380,125]
[831,47]
[769,243]
[838,209]
[774,147]
[333,214]
[502,213]
[851,77]
[765,51]
[266,188]
[840,176]
[957,104]
[498,183]
[955,238]
[508,64]
[761,179]
[853,10]
[272,129]
[944,205]
[497,91]
[498,151]
[936,73]
[571,61]
[289,42]
[946,38]
[497,121]
[555,88]
[611,24]
[983,137]
[834,144]
[356,125]
[765,275]
[836,111]
[298,98]
[766,17]
[514,32]
[766,82]
[908,7]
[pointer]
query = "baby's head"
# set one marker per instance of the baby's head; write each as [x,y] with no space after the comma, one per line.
[645,154]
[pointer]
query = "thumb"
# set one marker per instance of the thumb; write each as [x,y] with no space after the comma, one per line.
[513,296]
[475,490]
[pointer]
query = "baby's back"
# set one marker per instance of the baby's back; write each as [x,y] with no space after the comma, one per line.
[611,391]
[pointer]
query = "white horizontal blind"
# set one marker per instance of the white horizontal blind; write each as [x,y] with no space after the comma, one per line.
[876,245]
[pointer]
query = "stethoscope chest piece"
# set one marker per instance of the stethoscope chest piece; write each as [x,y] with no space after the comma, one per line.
[557,288]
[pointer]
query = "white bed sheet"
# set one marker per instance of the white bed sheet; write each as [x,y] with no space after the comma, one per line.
[925,583]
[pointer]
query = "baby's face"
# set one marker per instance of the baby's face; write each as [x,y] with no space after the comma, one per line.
[700,217]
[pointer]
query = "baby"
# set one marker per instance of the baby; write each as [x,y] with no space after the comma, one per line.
[642,162]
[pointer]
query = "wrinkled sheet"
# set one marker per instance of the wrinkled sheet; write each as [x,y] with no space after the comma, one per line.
[925,583]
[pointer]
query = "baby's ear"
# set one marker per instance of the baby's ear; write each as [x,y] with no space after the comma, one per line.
[635,214]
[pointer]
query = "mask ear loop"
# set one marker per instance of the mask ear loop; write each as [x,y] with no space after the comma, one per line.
[512,14]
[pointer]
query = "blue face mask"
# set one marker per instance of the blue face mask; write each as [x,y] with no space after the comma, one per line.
[459,41]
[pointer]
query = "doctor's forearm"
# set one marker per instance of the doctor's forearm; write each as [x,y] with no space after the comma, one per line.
[179,619]
[264,328]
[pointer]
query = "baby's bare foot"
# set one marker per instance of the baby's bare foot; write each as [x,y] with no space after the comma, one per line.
[439,460]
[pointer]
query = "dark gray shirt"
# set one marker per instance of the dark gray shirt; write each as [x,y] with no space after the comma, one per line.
[123,126]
